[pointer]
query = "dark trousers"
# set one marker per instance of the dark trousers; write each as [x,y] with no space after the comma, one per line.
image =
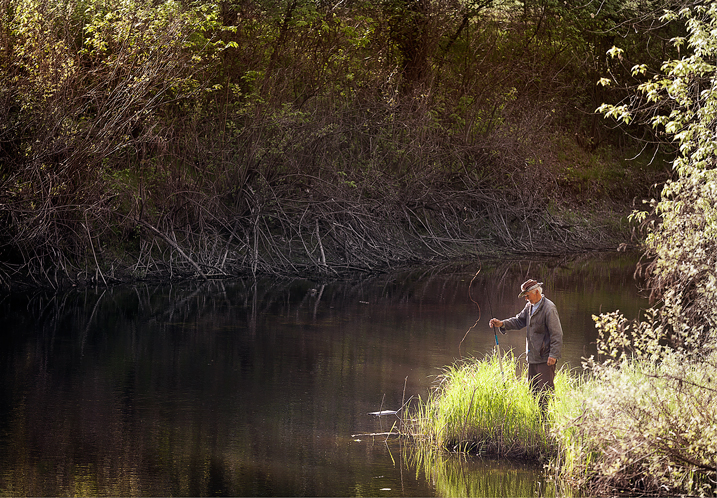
[541,379]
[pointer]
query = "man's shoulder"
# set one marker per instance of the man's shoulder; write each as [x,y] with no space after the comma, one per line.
[548,303]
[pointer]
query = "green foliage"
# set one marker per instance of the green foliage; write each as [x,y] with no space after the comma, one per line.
[213,105]
[649,423]
[682,241]
[631,425]
[642,425]
[89,88]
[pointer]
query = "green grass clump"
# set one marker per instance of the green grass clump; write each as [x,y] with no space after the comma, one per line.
[478,408]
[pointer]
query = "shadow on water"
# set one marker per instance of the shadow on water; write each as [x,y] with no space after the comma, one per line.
[254,388]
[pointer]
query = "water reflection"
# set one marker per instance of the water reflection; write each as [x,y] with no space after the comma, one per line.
[459,475]
[255,388]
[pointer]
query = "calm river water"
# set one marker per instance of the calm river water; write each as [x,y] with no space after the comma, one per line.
[264,388]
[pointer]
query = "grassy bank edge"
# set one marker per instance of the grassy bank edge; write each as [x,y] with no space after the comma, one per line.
[630,428]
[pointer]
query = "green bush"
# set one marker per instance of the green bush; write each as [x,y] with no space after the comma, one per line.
[642,427]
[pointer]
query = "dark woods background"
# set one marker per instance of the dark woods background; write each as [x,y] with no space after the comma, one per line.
[171,139]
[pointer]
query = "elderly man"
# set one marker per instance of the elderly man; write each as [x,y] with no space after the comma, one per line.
[544,337]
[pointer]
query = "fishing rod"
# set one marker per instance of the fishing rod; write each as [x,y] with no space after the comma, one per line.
[497,345]
[495,332]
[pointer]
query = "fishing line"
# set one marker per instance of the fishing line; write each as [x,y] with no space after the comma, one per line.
[470,296]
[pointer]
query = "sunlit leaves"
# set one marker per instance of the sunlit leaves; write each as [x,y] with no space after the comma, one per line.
[615,52]
[617,112]
[679,335]
[639,69]
[683,251]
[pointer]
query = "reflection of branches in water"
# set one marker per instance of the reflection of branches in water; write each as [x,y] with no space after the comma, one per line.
[164,304]
[179,305]
[89,321]
[159,303]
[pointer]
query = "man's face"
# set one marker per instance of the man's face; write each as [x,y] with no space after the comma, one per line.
[533,296]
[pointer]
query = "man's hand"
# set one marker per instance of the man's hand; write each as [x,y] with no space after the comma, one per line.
[494,322]
[552,361]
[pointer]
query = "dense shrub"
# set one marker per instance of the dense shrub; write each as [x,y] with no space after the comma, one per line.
[643,427]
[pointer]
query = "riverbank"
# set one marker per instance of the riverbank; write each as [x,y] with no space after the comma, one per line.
[210,140]
[322,238]
[635,427]
[324,226]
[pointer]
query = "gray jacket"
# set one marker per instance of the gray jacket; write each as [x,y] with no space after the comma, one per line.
[544,334]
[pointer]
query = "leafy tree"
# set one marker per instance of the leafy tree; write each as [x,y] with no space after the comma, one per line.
[209,115]
[651,425]
[681,101]
[86,89]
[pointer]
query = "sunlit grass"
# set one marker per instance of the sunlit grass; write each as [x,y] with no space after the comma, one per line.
[477,407]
